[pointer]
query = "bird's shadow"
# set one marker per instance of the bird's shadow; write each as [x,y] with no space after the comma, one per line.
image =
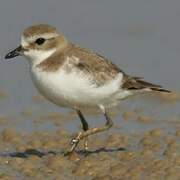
[39,153]
[100,150]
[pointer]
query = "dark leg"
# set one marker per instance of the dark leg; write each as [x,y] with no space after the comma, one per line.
[83,121]
[92,131]
[84,126]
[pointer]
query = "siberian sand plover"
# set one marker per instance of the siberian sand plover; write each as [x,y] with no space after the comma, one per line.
[74,77]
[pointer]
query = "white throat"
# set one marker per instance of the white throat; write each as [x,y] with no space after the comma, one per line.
[37,56]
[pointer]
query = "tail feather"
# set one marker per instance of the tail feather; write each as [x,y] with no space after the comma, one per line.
[153,87]
[136,83]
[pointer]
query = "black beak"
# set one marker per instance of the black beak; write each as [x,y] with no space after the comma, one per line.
[14,53]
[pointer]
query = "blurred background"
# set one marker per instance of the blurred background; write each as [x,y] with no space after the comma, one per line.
[141,37]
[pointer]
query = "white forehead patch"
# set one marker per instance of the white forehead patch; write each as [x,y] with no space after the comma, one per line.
[24,42]
[27,40]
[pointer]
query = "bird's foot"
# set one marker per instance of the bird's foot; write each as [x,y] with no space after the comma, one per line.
[74,142]
[86,143]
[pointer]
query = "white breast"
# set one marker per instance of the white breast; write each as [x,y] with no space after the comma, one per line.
[75,89]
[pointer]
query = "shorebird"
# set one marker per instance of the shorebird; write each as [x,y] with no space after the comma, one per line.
[75,77]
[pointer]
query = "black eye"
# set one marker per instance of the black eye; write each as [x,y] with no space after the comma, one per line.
[40,41]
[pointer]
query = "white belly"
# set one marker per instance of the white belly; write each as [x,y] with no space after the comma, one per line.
[76,90]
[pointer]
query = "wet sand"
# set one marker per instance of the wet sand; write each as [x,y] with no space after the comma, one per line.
[115,155]
[39,155]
